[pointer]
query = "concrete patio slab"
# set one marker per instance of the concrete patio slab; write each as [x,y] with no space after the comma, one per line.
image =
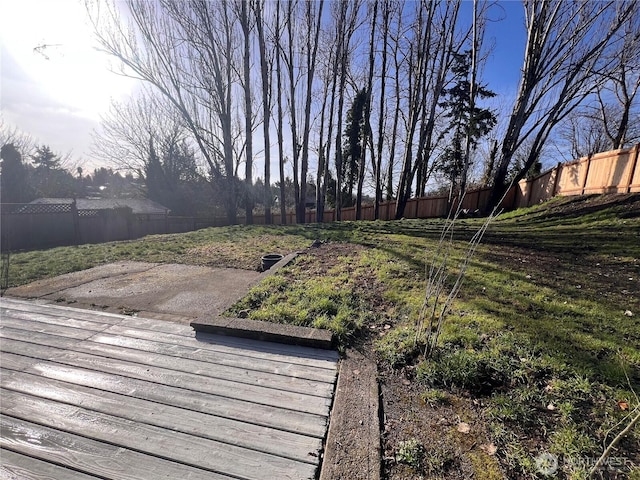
[173,292]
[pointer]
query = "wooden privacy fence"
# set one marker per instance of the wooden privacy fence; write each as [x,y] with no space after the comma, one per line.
[616,171]
[29,226]
[423,207]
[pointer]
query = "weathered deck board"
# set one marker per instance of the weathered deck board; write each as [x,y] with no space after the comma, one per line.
[16,466]
[188,449]
[90,456]
[52,310]
[41,327]
[320,359]
[232,431]
[264,415]
[216,342]
[56,320]
[240,374]
[164,376]
[193,350]
[91,394]
[179,334]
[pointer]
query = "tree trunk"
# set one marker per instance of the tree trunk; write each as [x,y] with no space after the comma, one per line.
[396,120]
[434,58]
[266,105]
[321,177]
[341,62]
[417,68]
[283,206]
[334,85]
[475,47]
[292,108]
[248,111]
[386,7]
[367,113]
[312,50]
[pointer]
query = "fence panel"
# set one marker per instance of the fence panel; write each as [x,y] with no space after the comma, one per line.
[541,188]
[37,230]
[181,224]
[603,169]
[572,176]
[429,207]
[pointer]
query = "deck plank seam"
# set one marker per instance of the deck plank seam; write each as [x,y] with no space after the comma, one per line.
[176,386]
[150,454]
[61,352]
[213,396]
[80,341]
[167,429]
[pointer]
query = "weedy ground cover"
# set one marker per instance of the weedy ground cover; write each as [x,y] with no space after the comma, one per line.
[540,353]
[234,247]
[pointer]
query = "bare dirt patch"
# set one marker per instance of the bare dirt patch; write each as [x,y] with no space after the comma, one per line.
[449,433]
[245,254]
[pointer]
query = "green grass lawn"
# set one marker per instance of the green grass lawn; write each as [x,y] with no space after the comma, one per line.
[545,331]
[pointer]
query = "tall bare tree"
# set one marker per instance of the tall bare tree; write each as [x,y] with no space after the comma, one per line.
[265,76]
[398,60]
[621,84]
[245,25]
[346,25]
[313,23]
[563,55]
[279,128]
[324,145]
[436,40]
[377,169]
[366,127]
[330,83]
[123,138]
[186,51]
[291,57]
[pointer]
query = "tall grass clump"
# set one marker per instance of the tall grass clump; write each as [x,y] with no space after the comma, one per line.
[440,291]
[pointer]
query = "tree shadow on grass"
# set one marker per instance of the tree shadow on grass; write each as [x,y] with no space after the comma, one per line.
[578,330]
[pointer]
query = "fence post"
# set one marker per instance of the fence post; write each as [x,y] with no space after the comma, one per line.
[76,222]
[634,166]
[586,174]
[556,179]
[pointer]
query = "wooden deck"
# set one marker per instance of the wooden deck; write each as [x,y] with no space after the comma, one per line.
[88,394]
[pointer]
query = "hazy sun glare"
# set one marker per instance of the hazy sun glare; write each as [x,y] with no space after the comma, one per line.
[51,40]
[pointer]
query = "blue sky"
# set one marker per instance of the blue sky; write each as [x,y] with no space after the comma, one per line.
[58,97]
[507,32]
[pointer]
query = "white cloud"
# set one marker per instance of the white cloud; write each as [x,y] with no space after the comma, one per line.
[55,84]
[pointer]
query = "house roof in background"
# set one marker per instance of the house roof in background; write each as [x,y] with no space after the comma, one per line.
[141,206]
